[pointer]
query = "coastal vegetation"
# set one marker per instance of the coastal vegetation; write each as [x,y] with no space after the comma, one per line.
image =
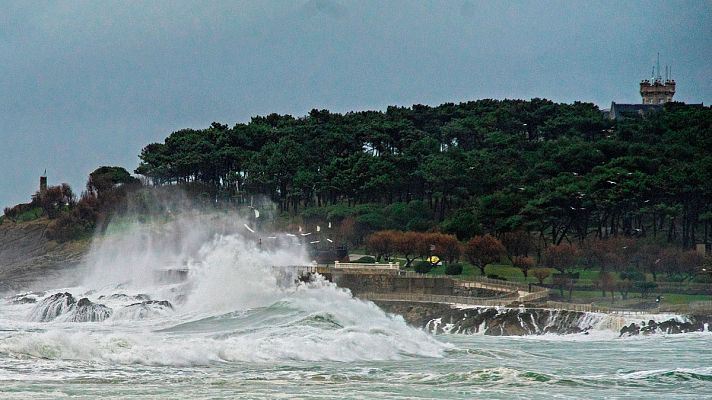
[559,172]
[555,191]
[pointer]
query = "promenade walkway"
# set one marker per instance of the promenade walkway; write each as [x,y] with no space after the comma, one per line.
[509,292]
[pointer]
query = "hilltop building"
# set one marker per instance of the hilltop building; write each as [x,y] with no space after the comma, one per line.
[654,92]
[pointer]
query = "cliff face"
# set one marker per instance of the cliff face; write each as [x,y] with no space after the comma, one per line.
[27,256]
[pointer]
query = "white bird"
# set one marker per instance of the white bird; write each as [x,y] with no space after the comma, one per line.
[306,234]
[318,228]
[300,229]
[521,188]
[329,224]
[291,234]
[257,213]
[573,208]
[646,201]
[575,174]
[329,240]
[612,183]
[316,241]
[657,261]
[248,228]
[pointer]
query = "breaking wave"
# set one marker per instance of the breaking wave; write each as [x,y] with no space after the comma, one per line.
[226,306]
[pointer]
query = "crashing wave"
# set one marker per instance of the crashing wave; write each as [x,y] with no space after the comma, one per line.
[52,307]
[144,310]
[87,311]
[64,305]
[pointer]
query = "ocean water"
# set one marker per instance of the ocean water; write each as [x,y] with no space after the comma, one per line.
[235,329]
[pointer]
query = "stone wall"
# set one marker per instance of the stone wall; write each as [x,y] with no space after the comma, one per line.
[381,283]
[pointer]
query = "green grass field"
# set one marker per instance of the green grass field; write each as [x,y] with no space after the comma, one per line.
[513,274]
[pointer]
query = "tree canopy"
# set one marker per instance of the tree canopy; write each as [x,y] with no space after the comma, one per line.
[561,172]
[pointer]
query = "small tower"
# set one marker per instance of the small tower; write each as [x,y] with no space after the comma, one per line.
[43,182]
[658,90]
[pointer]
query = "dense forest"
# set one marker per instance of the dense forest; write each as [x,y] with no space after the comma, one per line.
[562,172]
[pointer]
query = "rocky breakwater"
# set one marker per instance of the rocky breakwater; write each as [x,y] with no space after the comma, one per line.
[27,254]
[502,321]
[686,324]
[64,307]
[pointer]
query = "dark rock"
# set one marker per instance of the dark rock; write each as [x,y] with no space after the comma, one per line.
[630,330]
[87,311]
[162,303]
[52,307]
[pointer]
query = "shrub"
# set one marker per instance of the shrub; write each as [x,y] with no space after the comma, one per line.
[524,263]
[702,278]
[483,250]
[645,287]
[453,269]
[540,274]
[365,260]
[14,212]
[422,267]
[30,215]
[495,276]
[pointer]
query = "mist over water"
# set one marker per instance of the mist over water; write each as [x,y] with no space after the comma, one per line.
[234,328]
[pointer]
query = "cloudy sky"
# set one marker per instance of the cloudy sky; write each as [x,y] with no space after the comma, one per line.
[89,83]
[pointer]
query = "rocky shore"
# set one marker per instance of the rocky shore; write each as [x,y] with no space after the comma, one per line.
[498,321]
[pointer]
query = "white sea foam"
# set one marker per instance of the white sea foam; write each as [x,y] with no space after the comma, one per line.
[229,309]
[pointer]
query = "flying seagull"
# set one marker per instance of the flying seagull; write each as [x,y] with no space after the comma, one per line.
[612,183]
[248,228]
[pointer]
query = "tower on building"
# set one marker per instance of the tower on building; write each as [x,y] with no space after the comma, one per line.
[43,182]
[657,90]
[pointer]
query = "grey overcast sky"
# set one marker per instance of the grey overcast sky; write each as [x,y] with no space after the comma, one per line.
[89,83]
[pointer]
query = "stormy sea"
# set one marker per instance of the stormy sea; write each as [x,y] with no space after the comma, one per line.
[196,309]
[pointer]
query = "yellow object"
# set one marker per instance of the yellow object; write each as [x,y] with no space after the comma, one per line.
[434,260]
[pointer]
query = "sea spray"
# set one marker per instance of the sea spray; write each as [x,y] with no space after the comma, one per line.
[230,307]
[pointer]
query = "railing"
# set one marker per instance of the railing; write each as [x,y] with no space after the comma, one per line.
[518,285]
[437,298]
[533,296]
[340,265]
[576,307]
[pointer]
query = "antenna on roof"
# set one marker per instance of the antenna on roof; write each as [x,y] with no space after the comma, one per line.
[658,64]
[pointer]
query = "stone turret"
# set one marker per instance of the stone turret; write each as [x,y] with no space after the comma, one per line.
[43,183]
[657,91]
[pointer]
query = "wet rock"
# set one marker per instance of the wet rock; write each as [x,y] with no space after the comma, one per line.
[87,311]
[631,330]
[22,299]
[52,307]
[161,303]
[145,309]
